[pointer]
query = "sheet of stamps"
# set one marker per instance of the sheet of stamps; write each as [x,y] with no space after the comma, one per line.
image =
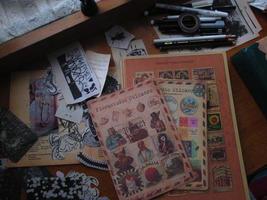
[187,103]
[73,74]
[143,148]
[222,135]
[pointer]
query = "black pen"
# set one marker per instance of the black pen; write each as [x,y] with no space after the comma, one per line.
[184,40]
[198,45]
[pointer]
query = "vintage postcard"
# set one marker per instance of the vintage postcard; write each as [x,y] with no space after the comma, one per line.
[223,140]
[143,148]
[187,103]
[74,75]
[62,145]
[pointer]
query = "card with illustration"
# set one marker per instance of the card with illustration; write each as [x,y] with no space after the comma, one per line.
[73,74]
[42,107]
[62,145]
[137,133]
[187,103]
[118,37]
[136,48]
[223,146]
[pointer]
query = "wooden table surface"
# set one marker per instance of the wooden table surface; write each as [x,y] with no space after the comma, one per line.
[251,122]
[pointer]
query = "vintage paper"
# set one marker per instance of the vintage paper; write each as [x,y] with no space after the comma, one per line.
[144,151]
[42,107]
[100,64]
[60,146]
[73,74]
[118,37]
[187,103]
[213,68]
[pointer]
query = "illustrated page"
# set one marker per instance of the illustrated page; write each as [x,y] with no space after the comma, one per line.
[144,151]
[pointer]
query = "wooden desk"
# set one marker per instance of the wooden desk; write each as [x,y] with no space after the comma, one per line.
[252,124]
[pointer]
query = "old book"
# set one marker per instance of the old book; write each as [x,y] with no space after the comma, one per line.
[187,104]
[140,141]
[227,179]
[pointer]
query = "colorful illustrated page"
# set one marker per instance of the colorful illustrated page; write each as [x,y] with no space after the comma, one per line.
[144,152]
[225,165]
[187,104]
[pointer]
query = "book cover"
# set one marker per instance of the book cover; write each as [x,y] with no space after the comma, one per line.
[251,64]
[135,128]
[187,104]
[227,178]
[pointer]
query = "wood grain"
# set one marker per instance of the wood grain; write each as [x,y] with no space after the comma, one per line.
[251,122]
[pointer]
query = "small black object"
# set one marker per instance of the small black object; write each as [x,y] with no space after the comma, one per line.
[189,23]
[89,7]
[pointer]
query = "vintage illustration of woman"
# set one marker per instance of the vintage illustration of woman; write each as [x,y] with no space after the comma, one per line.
[42,108]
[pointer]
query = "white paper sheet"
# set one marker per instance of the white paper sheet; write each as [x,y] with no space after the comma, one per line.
[73,74]
[99,63]
[70,113]
[118,37]
[136,48]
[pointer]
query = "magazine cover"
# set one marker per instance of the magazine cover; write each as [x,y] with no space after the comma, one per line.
[144,152]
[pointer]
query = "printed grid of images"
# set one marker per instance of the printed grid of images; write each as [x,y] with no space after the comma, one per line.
[143,153]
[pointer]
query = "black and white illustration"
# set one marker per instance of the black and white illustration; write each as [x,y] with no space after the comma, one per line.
[68,141]
[73,74]
[118,37]
[50,82]
[73,136]
[136,48]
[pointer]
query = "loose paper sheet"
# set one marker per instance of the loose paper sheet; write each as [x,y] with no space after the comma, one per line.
[73,74]
[99,63]
[118,37]
[136,48]
[73,114]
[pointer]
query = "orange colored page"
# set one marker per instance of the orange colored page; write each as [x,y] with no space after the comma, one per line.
[226,171]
